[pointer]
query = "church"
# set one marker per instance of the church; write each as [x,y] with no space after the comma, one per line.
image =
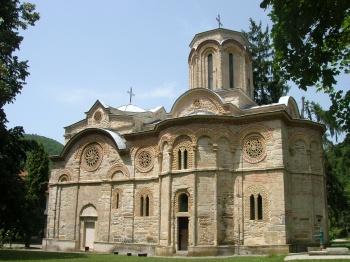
[217,175]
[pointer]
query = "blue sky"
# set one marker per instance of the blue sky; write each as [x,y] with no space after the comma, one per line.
[83,50]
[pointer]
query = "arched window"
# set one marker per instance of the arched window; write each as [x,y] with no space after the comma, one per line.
[141,206]
[185,159]
[260,208]
[210,71]
[183,203]
[182,159]
[147,206]
[252,207]
[117,201]
[179,159]
[231,70]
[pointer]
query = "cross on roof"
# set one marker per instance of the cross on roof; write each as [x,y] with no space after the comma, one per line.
[131,94]
[218,19]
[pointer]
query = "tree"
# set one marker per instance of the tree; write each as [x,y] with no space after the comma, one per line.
[268,83]
[13,17]
[34,203]
[311,39]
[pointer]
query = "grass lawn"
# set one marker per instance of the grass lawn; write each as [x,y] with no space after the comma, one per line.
[14,255]
[41,256]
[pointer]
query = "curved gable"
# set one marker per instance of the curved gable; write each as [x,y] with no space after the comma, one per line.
[115,137]
[292,107]
[198,101]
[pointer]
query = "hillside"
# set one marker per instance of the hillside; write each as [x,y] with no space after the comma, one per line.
[52,146]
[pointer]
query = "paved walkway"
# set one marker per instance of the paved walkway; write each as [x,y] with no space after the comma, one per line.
[305,256]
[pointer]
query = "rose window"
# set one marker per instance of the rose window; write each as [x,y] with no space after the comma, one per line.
[92,157]
[254,149]
[144,160]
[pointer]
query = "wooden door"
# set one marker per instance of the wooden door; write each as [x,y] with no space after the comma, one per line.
[183,233]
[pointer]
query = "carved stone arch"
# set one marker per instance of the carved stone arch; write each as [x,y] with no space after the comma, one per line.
[256,191]
[298,136]
[182,131]
[207,46]
[177,195]
[64,174]
[316,139]
[225,133]
[115,168]
[90,140]
[143,193]
[264,131]
[205,154]
[181,145]
[233,44]
[117,196]
[299,149]
[164,150]
[89,210]
[316,154]
[166,138]
[204,132]
[142,144]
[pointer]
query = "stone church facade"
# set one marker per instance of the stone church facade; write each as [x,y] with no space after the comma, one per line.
[218,175]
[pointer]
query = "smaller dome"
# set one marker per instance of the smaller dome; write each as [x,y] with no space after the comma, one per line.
[131,108]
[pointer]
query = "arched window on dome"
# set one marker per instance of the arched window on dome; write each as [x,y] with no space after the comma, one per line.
[231,70]
[210,71]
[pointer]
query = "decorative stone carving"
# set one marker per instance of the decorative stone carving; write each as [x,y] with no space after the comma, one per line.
[92,157]
[254,149]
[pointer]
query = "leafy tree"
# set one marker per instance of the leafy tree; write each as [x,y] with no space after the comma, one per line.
[311,39]
[35,182]
[14,16]
[51,146]
[268,83]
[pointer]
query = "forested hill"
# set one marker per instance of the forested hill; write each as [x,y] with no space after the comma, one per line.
[52,146]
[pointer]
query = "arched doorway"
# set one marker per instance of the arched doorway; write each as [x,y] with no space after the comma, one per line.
[88,218]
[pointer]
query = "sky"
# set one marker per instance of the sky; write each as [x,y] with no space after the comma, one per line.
[81,51]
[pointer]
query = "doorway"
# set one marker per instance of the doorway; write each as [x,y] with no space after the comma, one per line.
[183,233]
[89,234]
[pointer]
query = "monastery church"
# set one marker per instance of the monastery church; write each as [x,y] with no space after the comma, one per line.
[217,175]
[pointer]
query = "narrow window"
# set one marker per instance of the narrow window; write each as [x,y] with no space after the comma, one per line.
[179,160]
[141,207]
[231,70]
[117,201]
[252,207]
[185,159]
[147,206]
[210,72]
[183,203]
[260,209]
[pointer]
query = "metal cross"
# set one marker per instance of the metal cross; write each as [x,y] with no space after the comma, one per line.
[131,94]
[218,19]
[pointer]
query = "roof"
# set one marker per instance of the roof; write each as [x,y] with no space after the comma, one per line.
[131,108]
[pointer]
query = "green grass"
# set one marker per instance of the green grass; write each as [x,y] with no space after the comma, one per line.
[341,244]
[41,256]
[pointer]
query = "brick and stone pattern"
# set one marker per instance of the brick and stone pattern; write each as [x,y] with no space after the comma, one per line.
[250,176]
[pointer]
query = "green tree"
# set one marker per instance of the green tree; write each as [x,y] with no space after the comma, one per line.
[14,17]
[268,83]
[35,182]
[311,39]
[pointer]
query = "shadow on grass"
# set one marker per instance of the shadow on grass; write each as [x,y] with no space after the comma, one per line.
[23,255]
